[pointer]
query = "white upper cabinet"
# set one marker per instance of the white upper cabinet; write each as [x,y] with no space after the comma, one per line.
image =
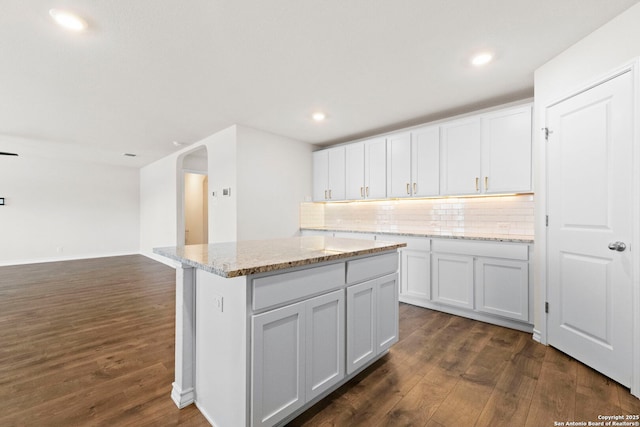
[366,170]
[425,161]
[399,165]
[329,174]
[488,153]
[506,151]
[460,161]
[413,163]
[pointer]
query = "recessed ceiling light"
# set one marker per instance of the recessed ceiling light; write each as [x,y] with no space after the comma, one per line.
[318,116]
[68,20]
[481,59]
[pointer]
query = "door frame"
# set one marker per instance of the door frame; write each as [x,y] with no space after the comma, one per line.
[180,196]
[541,235]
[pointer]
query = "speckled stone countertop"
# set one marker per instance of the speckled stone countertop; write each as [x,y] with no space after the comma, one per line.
[490,238]
[243,258]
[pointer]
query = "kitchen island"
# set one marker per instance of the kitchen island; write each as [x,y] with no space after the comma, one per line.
[265,329]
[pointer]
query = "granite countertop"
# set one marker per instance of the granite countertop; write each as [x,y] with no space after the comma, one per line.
[435,235]
[243,258]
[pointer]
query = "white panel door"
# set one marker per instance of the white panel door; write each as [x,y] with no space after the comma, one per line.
[325,342]
[425,161]
[453,279]
[278,364]
[502,287]
[506,151]
[399,165]
[320,175]
[337,170]
[386,312]
[416,274]
[375,168]
[460,166]
[354,158]
[361,325]
[590,208]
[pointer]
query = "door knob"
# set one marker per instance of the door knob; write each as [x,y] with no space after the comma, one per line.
[617,246]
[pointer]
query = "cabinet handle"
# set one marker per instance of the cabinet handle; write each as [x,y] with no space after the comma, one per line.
[486,183]
[415,188]
[325,194]
[367,191]
[329,193]
[361,191]
[408,192]
[477,184]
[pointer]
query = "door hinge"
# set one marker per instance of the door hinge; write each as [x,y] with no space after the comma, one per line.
[546,307]
[546,220]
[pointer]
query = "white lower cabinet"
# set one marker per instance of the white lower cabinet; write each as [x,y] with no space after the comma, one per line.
[415,271]
[502,287]
[298,353]
[453,280]
[325,338]
[372,320]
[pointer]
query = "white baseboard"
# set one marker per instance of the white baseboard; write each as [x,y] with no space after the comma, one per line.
[64,258]
[537,335]
[182,398]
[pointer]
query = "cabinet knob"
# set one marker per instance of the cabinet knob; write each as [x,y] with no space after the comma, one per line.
[361,191]
[415,188]
[477,184]
[486,183]
[408,191]
[329,194]
[325,194]
[367,191]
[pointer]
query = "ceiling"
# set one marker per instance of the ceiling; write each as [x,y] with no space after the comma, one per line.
[149,72]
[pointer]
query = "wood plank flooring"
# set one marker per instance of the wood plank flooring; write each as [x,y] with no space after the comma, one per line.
[90,343]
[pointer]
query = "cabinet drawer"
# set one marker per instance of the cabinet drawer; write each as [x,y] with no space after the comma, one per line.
[281,288]
[371,267]
[517,251]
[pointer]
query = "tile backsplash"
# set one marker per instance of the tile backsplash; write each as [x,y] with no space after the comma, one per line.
[465,216]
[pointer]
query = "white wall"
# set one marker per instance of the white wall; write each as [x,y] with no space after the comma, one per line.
[85,209]
[268,176]
[609,47]
[275,176]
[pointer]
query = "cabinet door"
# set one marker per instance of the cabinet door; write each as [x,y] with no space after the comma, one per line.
[460,167]
[375,172]
[325,342]
[506,151]
[415,270]
[354,155]
[425,161]
[320,175]
[453,279]
[361,325]
[278,364]
[386,312]
[399,165]
[502,287]
[336,178]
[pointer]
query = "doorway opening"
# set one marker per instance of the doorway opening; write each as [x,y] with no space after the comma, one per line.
[193,190]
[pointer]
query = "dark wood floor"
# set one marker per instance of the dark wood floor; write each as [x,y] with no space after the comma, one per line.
[91,343]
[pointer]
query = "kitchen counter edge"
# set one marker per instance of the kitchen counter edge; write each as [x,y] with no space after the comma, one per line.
[314,257]
[426,235]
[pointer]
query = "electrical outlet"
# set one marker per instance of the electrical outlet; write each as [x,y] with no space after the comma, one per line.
[218,303]
[59,249]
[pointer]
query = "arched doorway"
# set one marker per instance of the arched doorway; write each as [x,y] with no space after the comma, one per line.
[193,201]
